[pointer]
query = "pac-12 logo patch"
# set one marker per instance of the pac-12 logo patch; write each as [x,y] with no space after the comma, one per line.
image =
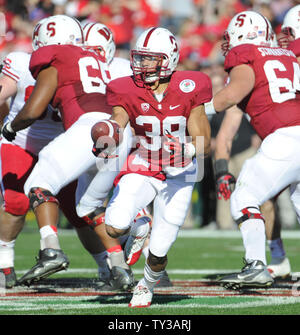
[187,85]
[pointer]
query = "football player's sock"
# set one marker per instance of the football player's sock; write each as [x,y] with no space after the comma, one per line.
[276,249]
[103,269]
[116,257]
[150,277]
[145,251]
[49,238]
[7,254]
[254,239]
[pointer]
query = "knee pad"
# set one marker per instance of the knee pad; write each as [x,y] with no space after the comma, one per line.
[90,218]
[249,213]
[155,260]
[38,196]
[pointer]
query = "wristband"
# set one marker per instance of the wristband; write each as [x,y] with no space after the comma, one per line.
[209,108]
[221,166]
[189,150]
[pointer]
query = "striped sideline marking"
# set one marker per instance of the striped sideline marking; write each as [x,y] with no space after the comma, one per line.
[141,271]
[185,294]
[170,271]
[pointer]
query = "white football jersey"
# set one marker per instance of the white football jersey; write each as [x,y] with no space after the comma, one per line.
[119,67]
[41,132]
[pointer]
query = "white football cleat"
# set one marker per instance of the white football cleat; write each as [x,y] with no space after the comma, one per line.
[142,297]
[137,237]
[279,268]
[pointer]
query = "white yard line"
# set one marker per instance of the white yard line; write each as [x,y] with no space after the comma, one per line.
[202,233]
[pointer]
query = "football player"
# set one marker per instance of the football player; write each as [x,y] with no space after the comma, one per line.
[279,266]
[99,38]
[73,80]
[163,106]
[18,157]
[270,96]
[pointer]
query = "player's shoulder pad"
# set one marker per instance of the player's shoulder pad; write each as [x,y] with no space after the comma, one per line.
[241,54]
[192,81]
[44,57]
[18,56]
[122,85]
[15,63]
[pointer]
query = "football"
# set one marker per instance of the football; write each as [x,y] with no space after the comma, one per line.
[106,134]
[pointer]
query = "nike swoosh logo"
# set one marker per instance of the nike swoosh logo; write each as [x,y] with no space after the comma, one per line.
[248,276]
[173,107]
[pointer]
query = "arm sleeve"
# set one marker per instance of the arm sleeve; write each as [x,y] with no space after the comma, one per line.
[114,95]
[41,59]
[204,91]
[242,54]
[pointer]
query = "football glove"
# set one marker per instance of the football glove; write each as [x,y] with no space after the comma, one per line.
[7,132]
[225,181]
[177,148]
[225,186]
[102,153]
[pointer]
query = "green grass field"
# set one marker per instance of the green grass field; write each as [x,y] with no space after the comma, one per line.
[196,260]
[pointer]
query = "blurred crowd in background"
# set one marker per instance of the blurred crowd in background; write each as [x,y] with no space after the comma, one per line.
[198,26]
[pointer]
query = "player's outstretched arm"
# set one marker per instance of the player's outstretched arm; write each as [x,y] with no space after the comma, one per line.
[242,80]
[199,127]
[225,181]
[229,127]
[38,101]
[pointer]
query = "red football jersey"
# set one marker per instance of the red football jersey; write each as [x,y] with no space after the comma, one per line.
[295,47]
[152,118]
[81,80]
[275,99]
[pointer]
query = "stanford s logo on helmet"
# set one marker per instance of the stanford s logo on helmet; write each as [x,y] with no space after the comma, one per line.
[155,55]
[248,27]
[58,29]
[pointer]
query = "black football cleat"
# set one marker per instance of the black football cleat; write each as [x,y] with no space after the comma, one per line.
[121,279]
[49,261]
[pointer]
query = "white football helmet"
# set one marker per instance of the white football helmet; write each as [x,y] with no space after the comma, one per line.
[59,29]
[99,38]
[291,22]
[247,27]
[155,55]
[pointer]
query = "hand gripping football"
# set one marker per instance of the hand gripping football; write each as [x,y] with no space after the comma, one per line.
[106,134]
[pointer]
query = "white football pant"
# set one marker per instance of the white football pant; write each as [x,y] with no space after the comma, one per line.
[171,203]
[275,167]
[70,156]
